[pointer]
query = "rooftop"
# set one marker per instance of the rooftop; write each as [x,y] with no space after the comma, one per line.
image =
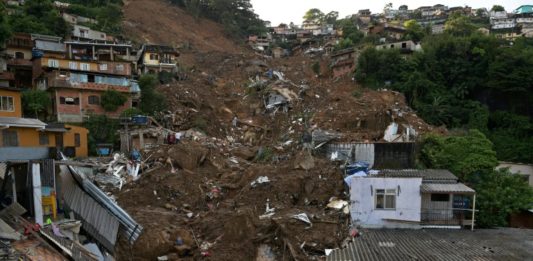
[160,48]
[426,174]
[489,244]
[21,122]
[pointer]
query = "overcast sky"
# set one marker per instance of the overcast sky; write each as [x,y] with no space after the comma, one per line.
[286,11]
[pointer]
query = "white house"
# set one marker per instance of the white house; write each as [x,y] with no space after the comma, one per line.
[502,23]
[80,32]
[407,46]
[410,199]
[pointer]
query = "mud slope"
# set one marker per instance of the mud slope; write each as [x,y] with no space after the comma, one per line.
[158,21]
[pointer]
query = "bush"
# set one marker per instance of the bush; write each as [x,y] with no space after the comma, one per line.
[131,112]
[165,77]
[35,102]
[112,100]
[499,194]
[151,101]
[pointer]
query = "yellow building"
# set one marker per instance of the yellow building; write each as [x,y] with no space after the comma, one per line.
[31,139]
[158,58]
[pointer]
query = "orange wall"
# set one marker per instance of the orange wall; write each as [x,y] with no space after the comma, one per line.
[69,140]
[16,101]
[29,137]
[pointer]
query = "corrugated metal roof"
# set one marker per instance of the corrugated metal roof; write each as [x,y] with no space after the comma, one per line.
[21,122]
[96,220]
[426,174]
[446,188]
[427,245]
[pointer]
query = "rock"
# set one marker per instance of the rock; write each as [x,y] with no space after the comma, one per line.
[304,160]
[188,155]
[244,153]
[170,206]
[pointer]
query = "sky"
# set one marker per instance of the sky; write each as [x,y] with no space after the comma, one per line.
[286,11]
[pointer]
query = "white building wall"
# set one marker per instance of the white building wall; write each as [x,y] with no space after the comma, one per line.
[408,202]
[517,168]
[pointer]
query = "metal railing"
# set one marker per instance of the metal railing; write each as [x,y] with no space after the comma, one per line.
[445,217]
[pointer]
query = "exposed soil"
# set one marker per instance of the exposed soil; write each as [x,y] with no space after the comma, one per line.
[209,203]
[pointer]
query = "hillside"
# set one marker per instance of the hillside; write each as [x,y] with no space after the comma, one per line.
[218,87]
[158,21]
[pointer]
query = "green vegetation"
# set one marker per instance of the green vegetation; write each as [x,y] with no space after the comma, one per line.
[101,130]
[464,79]
[499,194]
[131,112]
[108,13]
[472,159]
[112,100]
[5,30]
[151,101]
[237,16]
[35,102]
[40,17]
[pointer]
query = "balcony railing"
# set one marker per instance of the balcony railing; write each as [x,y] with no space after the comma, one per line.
[446,217]
[19,62]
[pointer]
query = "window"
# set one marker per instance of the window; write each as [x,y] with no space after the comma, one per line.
[53,63]
[43,138]
[154,56]
[103,67]
[10,138]
[385,199]
[404,45]
[85,67]
[120,67]
[73,65]
[6,103]
[77,140]
[93,99]
[19,55]
[440,197]
[69,101]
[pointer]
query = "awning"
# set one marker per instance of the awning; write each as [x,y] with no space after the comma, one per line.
[21,122]
[446,188]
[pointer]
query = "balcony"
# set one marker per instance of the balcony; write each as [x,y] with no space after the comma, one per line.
[19,62]
[446,217]
[65,83]
[102,67]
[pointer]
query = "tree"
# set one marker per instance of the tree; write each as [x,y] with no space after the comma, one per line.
[459,25]
[151,101]
[112,100]
[387,8]
[101,130]
[314,15]
[414,30]
[469,156]
[5,31]
[331,17]
[35,102]
[497,8]
[499,194]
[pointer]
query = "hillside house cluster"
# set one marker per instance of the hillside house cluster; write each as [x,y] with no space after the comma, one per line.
[76,72]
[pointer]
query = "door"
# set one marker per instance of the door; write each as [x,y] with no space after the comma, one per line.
[59,141]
